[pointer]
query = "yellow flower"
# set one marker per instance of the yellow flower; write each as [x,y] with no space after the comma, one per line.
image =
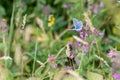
[51,20]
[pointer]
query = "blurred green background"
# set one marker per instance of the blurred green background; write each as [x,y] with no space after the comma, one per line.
[41,27]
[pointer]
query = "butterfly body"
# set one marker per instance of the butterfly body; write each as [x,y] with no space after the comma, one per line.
[77,24]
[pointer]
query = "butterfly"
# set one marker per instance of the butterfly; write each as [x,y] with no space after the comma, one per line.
[77,24]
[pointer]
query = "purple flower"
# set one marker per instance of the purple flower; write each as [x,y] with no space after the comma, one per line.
[81,34]
[68,5]
[69,67]
[101,4]
[53,66]
[85,47]
[69,43]
[79,44]
[77,61]
[86,34]
[101,34]
[90,6]
[112,53]
[95,11]
[51,59]
[116,76]
[71,56]
[65,6]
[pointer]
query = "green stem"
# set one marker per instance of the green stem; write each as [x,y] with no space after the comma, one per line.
[11,29]
[5,51]
[33,69]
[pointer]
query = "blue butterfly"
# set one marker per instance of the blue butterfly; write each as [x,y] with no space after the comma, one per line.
[77,24]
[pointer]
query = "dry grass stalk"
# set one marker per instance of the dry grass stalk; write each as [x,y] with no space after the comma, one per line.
[80,40]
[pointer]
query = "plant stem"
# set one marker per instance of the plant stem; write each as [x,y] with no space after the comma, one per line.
[33,69]
[5,50]
[11,29]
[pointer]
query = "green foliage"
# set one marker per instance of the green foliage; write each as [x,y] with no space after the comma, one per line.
[37,49]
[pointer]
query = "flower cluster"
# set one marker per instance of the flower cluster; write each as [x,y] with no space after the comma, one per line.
[82,43]
[51,60]
[95,7]
[68,5]
[116,76]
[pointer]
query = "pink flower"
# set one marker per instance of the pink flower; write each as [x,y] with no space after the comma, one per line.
[69,43]
[69,67]
[79,44]
[95,11]
[112,53]
[85,47]
[116,76]
[53,66]
[81,34]
[90,6]
[101,4]
[65,6]
[86,34]
[101,34]
[71,56]
[77,61]
[51,58]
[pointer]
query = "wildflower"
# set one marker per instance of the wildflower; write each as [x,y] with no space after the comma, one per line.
[116,76]
[101,4]
[71,56]
[112,53]
[54,66]
[101,34]
[69,52]
[65,6]
[69,43]
[90,6]
[51,60]
[86,34]
[77,61]
[85,48]
[51,20]
[95,11]
[81,34]
[69,67]
[79,44]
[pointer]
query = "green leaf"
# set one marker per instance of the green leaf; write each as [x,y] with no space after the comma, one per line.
[94,76]
[74,1]
[57,1]
[2,11]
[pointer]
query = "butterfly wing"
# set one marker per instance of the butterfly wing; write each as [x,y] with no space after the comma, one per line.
[78,24]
